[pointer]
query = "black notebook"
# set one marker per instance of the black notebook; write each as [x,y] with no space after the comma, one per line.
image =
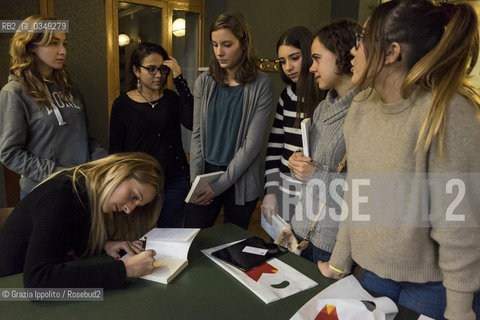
[248,253]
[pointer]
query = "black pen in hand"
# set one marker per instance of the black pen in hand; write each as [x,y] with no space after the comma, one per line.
[156,263]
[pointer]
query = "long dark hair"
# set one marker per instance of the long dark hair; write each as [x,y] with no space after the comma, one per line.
[248,67]
[141,51]
[307,91]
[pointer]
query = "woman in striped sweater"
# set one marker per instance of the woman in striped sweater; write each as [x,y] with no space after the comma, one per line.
[297,102]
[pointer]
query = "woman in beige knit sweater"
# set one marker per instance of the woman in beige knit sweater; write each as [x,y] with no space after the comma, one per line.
[413,146]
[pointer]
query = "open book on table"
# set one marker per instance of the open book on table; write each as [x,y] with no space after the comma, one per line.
[171,246]
[200,181]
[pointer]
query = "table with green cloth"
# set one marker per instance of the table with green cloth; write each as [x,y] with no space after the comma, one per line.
[202,291]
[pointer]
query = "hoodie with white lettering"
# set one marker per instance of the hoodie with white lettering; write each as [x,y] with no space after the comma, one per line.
[37,140]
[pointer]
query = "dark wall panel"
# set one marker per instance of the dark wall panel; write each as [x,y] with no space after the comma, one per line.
[11,10]
[87,58]
[345,9]
[268,20]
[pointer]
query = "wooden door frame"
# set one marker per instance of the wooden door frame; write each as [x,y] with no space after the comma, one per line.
[46,8]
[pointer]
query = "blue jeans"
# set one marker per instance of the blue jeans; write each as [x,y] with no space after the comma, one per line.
[23,194]
[425,298]
[313,253]
[175,191]
[476,304]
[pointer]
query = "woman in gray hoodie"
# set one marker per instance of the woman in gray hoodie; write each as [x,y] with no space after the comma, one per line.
[42,117]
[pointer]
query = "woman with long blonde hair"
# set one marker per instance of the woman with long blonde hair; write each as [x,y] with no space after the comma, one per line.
[42,116]
[413,144]
[103,205]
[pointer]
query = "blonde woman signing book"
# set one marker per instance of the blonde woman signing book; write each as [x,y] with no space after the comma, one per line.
[103,206]
[332,69]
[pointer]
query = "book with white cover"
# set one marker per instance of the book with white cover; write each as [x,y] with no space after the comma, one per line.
[274,229]
[305,126]
[171,246]
[200,181]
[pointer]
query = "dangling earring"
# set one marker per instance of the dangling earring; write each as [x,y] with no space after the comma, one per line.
[139,85]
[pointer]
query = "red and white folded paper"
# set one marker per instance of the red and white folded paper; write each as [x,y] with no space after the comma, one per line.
[271,281]
[346,300]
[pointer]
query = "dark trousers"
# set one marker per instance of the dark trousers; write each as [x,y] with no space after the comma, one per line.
[204,216]
[175,191]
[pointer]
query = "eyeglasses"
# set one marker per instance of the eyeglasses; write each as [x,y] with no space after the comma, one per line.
[153,70]
[358,40]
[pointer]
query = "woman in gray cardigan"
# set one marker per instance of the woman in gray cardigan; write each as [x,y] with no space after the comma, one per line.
[320,173]
[232,108]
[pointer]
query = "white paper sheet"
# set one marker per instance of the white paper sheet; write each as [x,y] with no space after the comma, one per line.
[343,301]
[278,280]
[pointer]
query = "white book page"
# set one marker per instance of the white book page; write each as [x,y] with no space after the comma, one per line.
[167,269]
[171,234]
[166,250]
[169,250]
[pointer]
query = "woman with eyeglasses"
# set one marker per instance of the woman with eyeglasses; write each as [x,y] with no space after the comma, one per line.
[413,144]
[147,119]
[233,105]
[43,126]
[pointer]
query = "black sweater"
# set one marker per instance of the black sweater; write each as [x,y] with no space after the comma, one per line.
[42,232]
[138,127]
